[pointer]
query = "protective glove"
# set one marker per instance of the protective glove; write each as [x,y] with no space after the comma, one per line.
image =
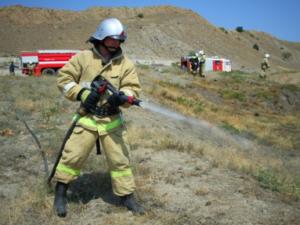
[117,100]
[89,99]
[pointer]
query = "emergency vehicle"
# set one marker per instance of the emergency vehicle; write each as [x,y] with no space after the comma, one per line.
[211,64]
[45,62]
[217,64]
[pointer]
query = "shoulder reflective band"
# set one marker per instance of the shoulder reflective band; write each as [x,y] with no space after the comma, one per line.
[65,169]
[123,173]
[68,86]
[100,127]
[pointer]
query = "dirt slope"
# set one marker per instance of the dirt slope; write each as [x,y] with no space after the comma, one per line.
[154,33]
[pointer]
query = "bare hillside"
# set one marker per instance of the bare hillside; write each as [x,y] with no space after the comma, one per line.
[154,33]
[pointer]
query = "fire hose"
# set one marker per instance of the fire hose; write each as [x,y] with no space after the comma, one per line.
[99,86]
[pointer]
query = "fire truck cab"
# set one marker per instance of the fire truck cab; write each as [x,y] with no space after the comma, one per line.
[45,62]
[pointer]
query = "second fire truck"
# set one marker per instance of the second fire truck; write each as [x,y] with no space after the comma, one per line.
[45,62]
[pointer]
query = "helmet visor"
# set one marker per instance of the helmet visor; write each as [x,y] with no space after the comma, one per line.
[121,37]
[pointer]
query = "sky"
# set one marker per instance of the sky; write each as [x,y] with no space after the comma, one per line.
[278,18]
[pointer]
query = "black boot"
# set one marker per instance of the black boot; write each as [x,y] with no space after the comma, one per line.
[60,200]
[130,202]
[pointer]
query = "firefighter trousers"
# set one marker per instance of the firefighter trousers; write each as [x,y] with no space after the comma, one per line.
[201,69]
[116,149]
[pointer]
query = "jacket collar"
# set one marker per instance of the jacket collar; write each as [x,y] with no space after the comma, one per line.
[118,54]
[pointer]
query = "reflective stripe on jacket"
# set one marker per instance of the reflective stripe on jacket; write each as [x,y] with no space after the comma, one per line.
[84,67]
[103,127]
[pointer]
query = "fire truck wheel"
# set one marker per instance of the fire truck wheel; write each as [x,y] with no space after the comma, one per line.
[48,71]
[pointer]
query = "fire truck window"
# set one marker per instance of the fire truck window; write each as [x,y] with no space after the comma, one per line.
[218,62]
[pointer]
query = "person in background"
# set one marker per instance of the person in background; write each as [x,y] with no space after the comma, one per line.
[265,66]
[12,67]
[202,59]
[30,67]
[194,64]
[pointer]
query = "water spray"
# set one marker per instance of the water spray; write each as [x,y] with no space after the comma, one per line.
[161,110]
[209,130]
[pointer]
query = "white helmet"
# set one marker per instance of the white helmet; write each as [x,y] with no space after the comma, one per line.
[201,52]
[267,55]
[110,27]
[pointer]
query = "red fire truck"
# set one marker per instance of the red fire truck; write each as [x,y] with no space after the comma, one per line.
[211,64]
[45,62]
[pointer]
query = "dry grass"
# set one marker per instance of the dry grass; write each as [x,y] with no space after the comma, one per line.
[231,158]
[278,177]
[26,104]
[246,107]
[247,162]
[278,129]
[201,191]
[36,202]
[139,137]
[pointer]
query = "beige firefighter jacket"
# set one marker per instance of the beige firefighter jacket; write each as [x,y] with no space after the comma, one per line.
[265,64]
[202,58]
[82,69]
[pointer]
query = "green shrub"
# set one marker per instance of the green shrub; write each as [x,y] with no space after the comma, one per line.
[184,101]
[271,180]
[140,15]
[256,47]
[286,55]
[235,76]
[264,94]
[239,29]
[229,94]
[198,107]
[224,30]
[268,179]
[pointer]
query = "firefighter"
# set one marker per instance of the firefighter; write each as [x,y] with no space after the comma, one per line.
[74,80]
[12,67]
[202,59]
[194,64]
[30,67]
[265,66]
